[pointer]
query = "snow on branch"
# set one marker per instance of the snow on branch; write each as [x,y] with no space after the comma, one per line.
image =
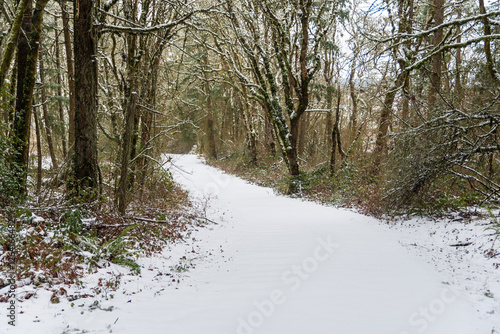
[451,46]
[134,28]
[140,29]
[424,33]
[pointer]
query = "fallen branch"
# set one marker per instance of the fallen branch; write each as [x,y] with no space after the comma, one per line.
[460,244]
[147,220]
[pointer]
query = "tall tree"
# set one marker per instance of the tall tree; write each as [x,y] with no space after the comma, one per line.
[85,182]
[283,71]
[71,74]
[405,11]
[45,113]
[27,66]
[437,58]
[59,99]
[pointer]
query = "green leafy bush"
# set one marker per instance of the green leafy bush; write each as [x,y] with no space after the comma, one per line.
[115,250]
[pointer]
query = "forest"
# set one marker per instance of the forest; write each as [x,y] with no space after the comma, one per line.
[390,106]
[387,107]
[397,99]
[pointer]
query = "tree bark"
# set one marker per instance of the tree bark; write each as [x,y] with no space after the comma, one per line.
[329,116]
[27,60]
[353,122]
[209,121]
[59,102]
[210,129]
[71,76]
[380,150]
[147,123]
[12,39]
[292,150]
[437,59]
[335,138]
[134,55]
[458,94]
[302,136]
[13,92]
[269,135]
[250,131]
[38,151]
[405,109]
[85,161]
[46,119]
[490,64]
[123,186]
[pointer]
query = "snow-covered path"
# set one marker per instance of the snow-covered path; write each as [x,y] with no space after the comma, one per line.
[281,265]
[298,267]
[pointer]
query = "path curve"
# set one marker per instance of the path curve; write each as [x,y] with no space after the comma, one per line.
[297,267]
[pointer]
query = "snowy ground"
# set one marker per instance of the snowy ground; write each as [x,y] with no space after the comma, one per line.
[273,264]
[467,267]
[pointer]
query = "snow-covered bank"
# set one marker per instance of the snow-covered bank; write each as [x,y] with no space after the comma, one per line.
[271,265]
[460,249]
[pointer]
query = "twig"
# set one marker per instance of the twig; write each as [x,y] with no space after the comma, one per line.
[461,244]
[150,220]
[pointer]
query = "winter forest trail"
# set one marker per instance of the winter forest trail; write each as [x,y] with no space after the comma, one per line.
[271,265]
[298,267]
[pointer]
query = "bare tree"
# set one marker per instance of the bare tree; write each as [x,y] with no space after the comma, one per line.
[293,58]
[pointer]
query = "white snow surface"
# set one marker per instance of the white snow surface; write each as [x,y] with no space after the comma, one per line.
[271,265]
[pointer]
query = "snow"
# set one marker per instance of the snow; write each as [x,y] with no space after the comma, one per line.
[465,266]
[271,265]
[46,163]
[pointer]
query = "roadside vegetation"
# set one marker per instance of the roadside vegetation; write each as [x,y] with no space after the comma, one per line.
[352,186]
[58,242]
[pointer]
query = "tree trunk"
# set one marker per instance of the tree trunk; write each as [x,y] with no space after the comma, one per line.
[302,135]
[123,186]
[212,148]
[353,122]
[249,125]
[292,150]
[19,20]
[147,122]
[134,52]
[458,94]
[38,151]
[269,134]
[48,124]
[13,92]
[335,137]
[85,164]
[329,116]
[133,148]
[380,150]
[22,53]
[71,76]
[490,64]
[59,102]
[405,13]
[405,109]
[437,59]
[209,122]
[27,60]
